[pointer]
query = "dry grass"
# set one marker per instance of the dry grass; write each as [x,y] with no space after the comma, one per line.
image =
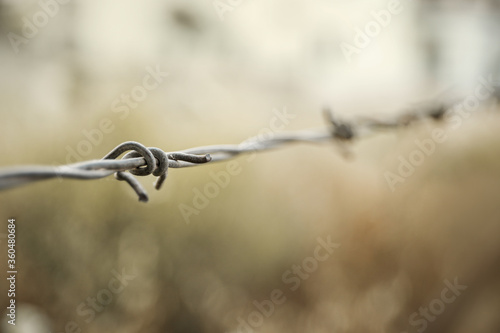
[396,248]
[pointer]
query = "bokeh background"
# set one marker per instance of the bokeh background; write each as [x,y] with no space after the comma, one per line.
[67,65]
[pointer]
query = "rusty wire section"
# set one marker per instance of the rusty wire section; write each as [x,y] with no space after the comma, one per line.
[142,161]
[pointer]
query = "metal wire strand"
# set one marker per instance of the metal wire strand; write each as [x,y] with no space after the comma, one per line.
[139,160]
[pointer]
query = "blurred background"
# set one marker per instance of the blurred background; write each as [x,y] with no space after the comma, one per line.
[80,77]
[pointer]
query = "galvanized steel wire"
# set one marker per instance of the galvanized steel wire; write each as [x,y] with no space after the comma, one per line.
[142,161]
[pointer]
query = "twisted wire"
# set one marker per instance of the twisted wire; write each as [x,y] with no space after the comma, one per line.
[139,160]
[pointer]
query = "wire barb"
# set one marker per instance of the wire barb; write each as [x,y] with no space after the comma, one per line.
[340,130]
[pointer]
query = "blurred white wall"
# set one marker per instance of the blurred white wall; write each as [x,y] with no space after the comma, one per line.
[90,51]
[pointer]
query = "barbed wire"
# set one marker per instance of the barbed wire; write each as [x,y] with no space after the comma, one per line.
[142,161]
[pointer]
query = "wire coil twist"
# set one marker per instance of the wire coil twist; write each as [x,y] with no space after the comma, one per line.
[156,160]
